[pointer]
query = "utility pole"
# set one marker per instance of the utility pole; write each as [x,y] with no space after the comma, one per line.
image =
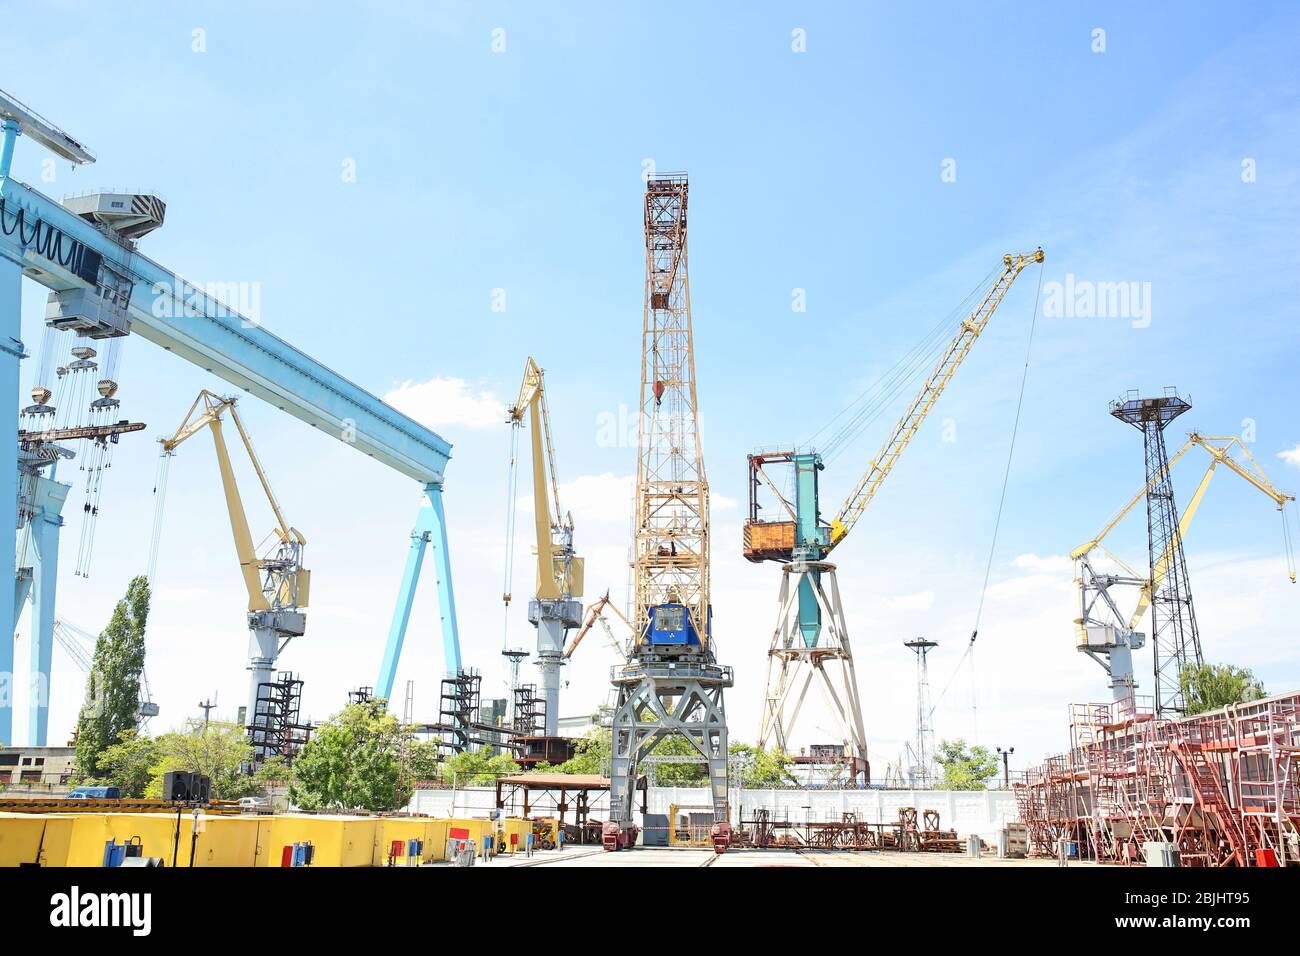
[207,707]
[1006,772]
[924,725]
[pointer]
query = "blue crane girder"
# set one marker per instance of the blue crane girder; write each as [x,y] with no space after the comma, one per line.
[53,246]
[182,318]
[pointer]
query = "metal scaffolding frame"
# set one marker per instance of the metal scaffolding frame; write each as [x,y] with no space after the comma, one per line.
[1222,787]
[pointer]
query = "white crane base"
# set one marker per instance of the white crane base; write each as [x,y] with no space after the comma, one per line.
[792,667]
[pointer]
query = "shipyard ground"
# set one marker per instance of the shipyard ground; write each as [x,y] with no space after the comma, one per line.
[689,857]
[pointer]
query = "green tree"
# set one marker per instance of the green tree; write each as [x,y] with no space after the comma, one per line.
[128,764]
[679,774]
[477,768]
[590,753]
[272,771]
[112,702]
[760,769]
[352,760]
[220,752]
[424,758]
[965,768]
[1211,686]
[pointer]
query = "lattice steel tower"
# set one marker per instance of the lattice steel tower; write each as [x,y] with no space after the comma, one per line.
[1175,642]
[671,684]
[921,773]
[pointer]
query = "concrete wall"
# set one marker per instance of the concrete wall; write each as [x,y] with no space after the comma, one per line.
[967,811]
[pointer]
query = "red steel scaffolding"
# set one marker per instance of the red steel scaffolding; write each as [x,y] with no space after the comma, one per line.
[1221,787]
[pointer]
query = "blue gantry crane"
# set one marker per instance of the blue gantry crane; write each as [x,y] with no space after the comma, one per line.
[85,252]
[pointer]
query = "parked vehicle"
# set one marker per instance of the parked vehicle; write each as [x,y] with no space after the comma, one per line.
[96,793]
[255,805]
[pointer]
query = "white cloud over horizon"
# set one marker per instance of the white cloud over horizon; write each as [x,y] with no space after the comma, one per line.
[447,402]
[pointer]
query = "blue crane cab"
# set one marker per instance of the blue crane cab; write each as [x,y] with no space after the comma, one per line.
[670,626]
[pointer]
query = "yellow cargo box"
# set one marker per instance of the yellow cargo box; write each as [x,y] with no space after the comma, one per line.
[337,840]
[215,840]
[34,838]
[429,831]
[471,828]
[514,834]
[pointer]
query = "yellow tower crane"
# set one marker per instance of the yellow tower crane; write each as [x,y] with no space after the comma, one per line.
[278,585]
[1102,630]
[556,606]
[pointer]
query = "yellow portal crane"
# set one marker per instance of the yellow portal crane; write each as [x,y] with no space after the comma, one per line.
[810,641]
[556,607]
[278,585]
[1110,638]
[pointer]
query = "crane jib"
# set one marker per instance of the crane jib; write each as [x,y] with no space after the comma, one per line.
[926,397]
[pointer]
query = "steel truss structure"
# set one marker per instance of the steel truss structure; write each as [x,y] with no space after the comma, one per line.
[1175,641]
[671,684]
[1222,787]
[793,666]
[275,728]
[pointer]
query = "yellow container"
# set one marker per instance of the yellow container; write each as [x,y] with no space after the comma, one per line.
[216,841]
[33,837]
[338,840]
[518,829]
[477,827]
[431,832]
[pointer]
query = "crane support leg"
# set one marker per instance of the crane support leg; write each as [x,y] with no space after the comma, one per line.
[430,526]
[11,350]
[46,522]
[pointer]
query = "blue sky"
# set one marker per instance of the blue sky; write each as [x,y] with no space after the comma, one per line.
[820,170]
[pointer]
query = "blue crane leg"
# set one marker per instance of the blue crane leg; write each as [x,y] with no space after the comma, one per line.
[11,349]
[401,614]
[442,567]
[430,527]
[46,522]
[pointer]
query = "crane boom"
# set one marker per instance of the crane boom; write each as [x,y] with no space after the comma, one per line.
[1102,631]
[278,585]
[559,573]
[206,412]
[880,466]
[1218,456]
[555,608]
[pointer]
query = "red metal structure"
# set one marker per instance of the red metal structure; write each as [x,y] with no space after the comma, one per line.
[1222,787]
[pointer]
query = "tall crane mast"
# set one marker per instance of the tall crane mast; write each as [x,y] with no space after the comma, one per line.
[277,584]
[810,641]
[556,606]
[671,684]
[1102,630]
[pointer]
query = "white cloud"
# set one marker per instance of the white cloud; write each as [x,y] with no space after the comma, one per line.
[441,402]
[1291,456]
